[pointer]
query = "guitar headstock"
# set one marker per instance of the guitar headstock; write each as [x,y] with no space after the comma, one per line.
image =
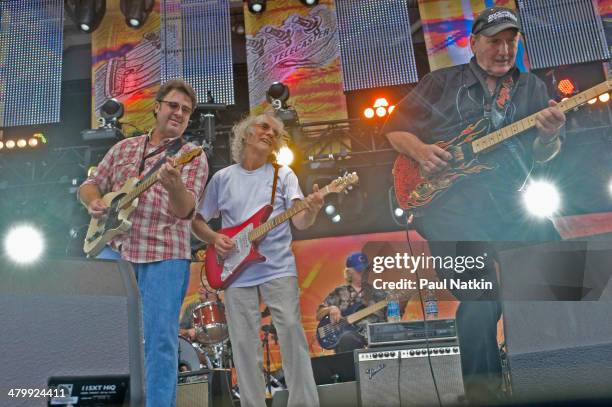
[341,183]
[188,156]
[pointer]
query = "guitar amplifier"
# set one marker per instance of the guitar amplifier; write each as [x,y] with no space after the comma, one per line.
[401,376]
[403,332]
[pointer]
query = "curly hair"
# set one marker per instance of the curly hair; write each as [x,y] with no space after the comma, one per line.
[246,127]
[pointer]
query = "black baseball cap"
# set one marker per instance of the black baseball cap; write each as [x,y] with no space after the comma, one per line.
[494,20]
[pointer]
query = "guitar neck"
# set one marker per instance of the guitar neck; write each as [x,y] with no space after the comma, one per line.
[264,228]
[351,319]
[499,136]
[147,183]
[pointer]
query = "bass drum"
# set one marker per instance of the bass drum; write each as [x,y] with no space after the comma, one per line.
[190,358]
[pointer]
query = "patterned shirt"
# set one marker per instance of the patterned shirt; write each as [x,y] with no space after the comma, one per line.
[345,296]
[155,234]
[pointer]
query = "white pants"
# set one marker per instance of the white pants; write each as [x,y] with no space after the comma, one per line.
[281,295]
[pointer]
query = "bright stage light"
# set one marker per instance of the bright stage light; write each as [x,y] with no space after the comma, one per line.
[24,244]
[336,218]
[381,111]
[21,143]
[398,212]
[285,156]
[368,113]
[604,97]
[541,199]
[331,209]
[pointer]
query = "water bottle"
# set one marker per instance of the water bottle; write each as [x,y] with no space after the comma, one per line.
[431,305]
[393,310]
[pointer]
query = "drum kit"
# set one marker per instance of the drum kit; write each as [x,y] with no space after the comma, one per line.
[210,348]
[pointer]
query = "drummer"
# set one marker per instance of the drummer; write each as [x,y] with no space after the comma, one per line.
[206,293]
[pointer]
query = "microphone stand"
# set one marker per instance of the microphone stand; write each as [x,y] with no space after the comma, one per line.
[268,329]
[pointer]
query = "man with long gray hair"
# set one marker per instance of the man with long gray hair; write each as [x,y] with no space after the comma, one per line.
[235,193]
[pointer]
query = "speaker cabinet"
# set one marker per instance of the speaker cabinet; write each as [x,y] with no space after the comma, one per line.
[330,395]
[394,376]
[193,393]
[69,318]
[557,319]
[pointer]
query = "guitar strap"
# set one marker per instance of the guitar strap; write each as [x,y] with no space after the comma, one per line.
[170,148]
[276,168]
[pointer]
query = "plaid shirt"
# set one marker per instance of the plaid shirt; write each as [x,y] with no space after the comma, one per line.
[155,234]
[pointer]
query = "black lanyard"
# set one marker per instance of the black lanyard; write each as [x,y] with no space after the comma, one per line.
[171,148]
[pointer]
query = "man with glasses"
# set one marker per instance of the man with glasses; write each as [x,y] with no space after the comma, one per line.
[158,243]
[235,193]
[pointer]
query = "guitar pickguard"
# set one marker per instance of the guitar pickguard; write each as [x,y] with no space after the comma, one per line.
[242,250]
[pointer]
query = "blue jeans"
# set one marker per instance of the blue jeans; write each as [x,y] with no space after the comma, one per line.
[162,286]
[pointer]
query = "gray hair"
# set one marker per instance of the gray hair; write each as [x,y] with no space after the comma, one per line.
[245,127]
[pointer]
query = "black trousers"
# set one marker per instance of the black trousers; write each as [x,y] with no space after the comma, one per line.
[465,221]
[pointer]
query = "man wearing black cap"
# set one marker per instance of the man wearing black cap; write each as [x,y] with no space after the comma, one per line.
[485,206]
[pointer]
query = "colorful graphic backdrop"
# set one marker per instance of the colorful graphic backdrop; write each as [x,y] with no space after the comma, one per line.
[298,46]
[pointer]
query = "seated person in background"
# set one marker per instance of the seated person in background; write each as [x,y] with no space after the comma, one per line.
[186,328]
[348,298]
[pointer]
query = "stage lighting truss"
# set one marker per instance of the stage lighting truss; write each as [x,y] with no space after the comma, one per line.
[136,11]
[23,143]
[86,14]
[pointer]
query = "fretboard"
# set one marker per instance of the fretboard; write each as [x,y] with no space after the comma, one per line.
[139,189]
[264,228]
[499,136]
[351,319]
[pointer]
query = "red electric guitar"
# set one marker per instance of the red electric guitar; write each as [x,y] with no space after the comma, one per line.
[414,190]
[221,272]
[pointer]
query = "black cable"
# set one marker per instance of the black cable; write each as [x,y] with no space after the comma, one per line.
[433,376]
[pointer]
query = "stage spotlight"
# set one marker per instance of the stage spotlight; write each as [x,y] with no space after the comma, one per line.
[111,111]
[256,6]
[86,14]
[541,199]
[278,95]
[604,97]
[391,109]
[10,144]
[136,11]
[368,113]
[285,156]
[330,209]
[381,102]
[21,143]
[24,244]
[310,3]
[398,212]
[566,87]
[33,142]
[381,111]
[336,218]
[592,101]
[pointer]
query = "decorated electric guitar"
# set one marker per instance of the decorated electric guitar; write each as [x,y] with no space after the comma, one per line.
[328,333]
[121,204]
[414,190]
[221,272]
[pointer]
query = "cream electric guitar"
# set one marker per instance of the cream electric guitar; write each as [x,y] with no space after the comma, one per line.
[121,204]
